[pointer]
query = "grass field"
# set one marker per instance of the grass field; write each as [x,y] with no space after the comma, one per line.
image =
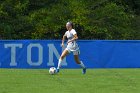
[70,81]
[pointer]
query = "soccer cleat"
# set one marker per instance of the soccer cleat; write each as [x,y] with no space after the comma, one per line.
[57,71]
[84,71]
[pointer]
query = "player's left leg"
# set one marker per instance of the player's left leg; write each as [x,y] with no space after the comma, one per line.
[63,55]
[76,57]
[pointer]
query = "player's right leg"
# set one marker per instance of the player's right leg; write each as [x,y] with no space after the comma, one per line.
[63,55]
[76,57]
[77,60]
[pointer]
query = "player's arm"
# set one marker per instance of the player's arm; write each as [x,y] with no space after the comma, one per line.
[73,39]
[63,39]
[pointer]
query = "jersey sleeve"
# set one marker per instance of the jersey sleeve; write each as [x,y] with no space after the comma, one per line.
[74,32]
[65,33]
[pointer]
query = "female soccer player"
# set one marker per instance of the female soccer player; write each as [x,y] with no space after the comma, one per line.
[72,46]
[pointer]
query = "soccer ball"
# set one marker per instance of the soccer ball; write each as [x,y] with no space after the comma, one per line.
[52,70]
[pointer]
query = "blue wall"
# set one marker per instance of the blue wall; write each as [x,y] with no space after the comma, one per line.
[45,53]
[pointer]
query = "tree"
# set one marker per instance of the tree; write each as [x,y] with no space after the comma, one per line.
[45,19]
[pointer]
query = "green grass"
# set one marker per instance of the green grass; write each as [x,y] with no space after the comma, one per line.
[70,81]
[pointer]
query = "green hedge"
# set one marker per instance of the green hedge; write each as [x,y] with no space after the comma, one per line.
[93,19]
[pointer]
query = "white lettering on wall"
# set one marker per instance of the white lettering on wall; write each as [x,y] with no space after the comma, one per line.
[13,52]
[52,50]
[29,54]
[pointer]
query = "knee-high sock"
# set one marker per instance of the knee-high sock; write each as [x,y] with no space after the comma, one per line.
[59,63]
[82,65]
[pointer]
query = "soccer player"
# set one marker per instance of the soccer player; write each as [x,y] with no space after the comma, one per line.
[72,46]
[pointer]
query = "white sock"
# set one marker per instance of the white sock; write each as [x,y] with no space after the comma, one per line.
[82,65]
[59,63]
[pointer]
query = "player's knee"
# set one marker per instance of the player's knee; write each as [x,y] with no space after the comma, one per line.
[77,61]
[62,57]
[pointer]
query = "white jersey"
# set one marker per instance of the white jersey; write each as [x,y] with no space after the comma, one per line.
[72,46]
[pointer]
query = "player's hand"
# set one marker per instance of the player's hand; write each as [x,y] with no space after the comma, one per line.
[62,45]
[69,41]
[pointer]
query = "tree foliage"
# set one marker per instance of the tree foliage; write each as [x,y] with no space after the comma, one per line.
[93,19]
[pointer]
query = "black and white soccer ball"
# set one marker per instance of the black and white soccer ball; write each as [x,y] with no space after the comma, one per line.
[52,70]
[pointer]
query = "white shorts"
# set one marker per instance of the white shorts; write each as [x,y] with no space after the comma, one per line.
[73,47]
[77,52]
